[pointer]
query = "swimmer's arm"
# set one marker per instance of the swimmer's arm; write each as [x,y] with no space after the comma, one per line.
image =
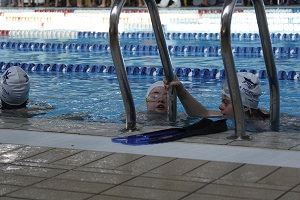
[192,107]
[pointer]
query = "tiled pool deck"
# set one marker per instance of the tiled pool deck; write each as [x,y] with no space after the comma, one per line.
[61,159]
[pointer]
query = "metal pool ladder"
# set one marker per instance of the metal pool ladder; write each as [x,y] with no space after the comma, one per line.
[230,70]
[120,66]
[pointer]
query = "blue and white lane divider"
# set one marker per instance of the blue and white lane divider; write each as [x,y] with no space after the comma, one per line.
[145,71]
[173,49]
[143,35]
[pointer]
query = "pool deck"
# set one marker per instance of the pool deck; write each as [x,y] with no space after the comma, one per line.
[62,159]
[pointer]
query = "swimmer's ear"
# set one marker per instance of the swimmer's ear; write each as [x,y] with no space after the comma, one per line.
[247,109]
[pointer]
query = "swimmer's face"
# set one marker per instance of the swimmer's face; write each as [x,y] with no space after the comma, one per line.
[226,106]
[156,100]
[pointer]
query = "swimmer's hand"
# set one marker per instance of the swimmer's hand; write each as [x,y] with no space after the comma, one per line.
[180,89]
[176,83]
[192,106]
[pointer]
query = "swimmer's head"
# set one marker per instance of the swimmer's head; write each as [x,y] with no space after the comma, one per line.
[250,90]
[156,98]
[15,85]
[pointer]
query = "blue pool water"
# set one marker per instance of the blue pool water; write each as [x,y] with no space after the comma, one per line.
[179,59]
[96,96]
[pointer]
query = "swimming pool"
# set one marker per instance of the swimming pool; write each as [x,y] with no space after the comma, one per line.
[72,70]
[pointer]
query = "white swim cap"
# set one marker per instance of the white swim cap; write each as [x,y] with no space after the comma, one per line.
[249,88]
[15,86]
[156,84]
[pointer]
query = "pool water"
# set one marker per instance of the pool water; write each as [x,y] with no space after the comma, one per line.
[96,96]
[133,58]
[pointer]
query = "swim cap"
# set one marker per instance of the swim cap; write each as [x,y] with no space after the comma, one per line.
[249,88]
[156,84]
[15,86]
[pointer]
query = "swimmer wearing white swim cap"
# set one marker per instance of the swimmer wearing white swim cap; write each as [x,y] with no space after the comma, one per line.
[15,85]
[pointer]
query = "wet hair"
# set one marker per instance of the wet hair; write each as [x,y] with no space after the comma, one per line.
[257,113]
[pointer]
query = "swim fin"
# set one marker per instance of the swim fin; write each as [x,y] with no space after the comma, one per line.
[165,135]
[203,127]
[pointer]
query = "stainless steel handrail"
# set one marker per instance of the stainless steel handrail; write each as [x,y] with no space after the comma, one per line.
[230,71]
[270,63]
[229,5]
[165,58]
[120,66]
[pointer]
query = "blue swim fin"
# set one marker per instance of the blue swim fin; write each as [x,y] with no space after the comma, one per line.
[165,135]
[203,127]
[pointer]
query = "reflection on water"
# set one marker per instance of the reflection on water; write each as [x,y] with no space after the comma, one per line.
[151,118]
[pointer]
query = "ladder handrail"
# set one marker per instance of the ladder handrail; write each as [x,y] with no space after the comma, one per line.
[227,55]
[230,71]
[270,63]
[164,56]
[120,66]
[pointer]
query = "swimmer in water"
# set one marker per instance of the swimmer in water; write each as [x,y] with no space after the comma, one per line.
[15,86]
[250,91]
[156,98]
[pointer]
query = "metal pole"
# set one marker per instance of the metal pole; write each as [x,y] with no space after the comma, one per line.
[238,108]
[165,58]
[119,64]
[270,63]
